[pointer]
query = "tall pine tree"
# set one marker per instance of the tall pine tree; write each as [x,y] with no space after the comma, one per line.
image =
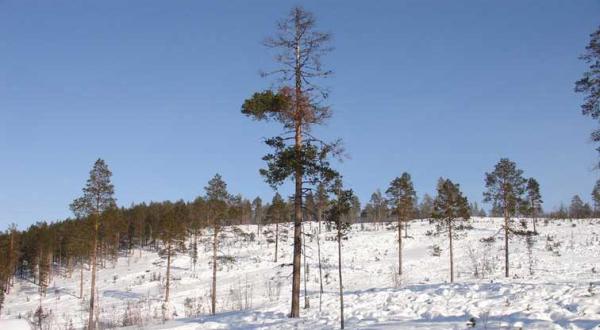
[297,105]
[98,196]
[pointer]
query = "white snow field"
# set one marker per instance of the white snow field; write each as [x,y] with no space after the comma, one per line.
[254,292]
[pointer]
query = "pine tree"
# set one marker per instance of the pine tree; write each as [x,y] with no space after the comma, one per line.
[277,213]
[338,210]
[401,196]
[596,198]
[589,84]
[297,105]
[578,209]
[172,234]
[98,196]
[505,188]
[217,199]
[533,205]
[450,207]
[426,207]
[376,209]
[258,214]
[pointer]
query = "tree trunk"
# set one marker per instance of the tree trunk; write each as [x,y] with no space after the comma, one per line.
[81,281]
[340,275]
[506,242]
[451,252]
[276,239]
[295,312]
[91,323]
[168,272]
[306,300]
[319,257]
[534,215]
[399,245]
[213,298]
[405,229]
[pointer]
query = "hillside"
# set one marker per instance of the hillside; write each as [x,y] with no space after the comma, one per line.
[253,291]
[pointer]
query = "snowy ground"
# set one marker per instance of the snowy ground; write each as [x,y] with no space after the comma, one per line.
[253,291]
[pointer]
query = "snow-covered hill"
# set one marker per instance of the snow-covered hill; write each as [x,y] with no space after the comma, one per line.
[254,292]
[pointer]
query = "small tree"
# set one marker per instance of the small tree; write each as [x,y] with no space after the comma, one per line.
[450,207]
[533,205]
[276,213]
[172,234]
[217,199]
[401,196]
[505,188]
[98,196]
[596,198]
[426,207]
[578,209]
[338,210]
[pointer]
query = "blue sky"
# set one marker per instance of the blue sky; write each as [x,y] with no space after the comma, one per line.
[435,88]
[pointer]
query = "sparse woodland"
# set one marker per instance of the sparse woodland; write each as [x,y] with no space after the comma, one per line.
[295,232]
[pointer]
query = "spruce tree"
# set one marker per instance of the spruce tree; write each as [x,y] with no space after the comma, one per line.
[297,105]
[98,196]
[505,187]
[450,207]
[401,197]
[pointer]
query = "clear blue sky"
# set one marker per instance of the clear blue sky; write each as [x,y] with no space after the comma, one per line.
[435,88]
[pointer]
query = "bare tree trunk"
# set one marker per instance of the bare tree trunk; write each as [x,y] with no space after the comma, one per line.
[319,257]
[399,245]
[168,272]
[81,281]
[451,252]
[276,239]
[213,298]
[91,323]
[405,229]
[306,300]
[506,242]
[534,215]
[340,275]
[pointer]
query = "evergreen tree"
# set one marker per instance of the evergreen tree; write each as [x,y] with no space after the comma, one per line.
[505,188]
[450,207]
[217,199]
[297,105]
[98,196]
[578,209]
[589,84]
[277,213]
[257,214]
[401,196]
[172,234]
[376,209]
[596,198]
[339,207]
[533,205]
[426,207]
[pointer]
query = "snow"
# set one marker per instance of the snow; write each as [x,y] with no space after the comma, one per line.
[253,292]
[14,324]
